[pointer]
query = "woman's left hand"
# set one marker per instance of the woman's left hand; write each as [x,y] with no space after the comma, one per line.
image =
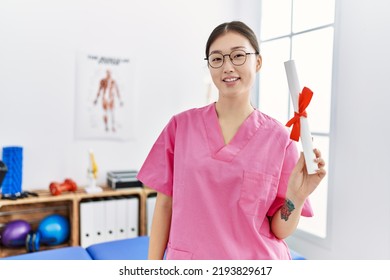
[301,184]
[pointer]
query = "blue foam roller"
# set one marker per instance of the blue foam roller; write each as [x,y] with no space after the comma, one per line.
[13,159]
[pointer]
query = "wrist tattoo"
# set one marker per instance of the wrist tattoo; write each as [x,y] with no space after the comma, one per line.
[286,209]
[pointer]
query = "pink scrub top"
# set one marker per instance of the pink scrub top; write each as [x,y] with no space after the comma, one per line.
[222,194]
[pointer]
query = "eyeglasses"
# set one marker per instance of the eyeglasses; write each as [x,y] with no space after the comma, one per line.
[238,57]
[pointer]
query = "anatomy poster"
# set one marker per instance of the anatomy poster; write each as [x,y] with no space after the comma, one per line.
[105,101]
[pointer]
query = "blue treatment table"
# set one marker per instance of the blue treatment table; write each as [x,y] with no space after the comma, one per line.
[124,249]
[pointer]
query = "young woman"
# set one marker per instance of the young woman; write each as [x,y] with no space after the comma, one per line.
[230,182]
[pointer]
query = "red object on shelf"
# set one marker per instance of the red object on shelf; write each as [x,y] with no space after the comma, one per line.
[57,188]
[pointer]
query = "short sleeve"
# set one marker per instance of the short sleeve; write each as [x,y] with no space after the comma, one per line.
[290,160]
[157,170]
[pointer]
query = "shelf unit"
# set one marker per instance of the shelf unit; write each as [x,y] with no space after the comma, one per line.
[34,209]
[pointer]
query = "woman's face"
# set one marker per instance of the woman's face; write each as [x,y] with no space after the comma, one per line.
[232,80]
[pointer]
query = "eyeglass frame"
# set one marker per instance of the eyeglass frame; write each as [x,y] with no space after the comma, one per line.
[231,60]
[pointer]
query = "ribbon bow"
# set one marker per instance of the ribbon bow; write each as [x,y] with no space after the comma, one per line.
[303,101]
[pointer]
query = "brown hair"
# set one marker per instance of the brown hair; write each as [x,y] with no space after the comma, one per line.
[234,26]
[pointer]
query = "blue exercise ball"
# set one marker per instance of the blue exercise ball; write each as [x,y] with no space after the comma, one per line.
[54,229]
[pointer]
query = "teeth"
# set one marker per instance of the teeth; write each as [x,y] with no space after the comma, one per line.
[230,79]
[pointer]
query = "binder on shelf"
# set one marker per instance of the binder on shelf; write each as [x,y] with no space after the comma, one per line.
[150,204]
[111,228]
[99,208]
[86,223]
[121,216]
[133,217]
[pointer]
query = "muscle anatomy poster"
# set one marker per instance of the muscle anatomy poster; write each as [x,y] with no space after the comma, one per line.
[105,100]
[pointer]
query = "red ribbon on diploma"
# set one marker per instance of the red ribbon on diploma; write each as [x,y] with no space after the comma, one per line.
[303,101]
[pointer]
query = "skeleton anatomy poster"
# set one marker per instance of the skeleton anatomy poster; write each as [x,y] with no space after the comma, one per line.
[104,97]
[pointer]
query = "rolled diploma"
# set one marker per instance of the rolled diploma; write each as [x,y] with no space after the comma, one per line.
[306,139]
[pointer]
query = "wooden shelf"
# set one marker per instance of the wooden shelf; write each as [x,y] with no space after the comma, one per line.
[33,209]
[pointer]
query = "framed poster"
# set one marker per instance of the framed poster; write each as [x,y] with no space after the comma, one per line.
[105,100]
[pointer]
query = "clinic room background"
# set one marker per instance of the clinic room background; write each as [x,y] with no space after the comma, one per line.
[160,45]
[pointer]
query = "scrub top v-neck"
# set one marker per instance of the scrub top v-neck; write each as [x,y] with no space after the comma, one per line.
[222,194]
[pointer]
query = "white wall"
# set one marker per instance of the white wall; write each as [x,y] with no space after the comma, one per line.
[38,43]
[359,169]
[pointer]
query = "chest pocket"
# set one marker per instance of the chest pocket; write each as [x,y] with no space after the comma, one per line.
[258,190]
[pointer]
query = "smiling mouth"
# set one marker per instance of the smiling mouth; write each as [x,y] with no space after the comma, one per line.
[229,80]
